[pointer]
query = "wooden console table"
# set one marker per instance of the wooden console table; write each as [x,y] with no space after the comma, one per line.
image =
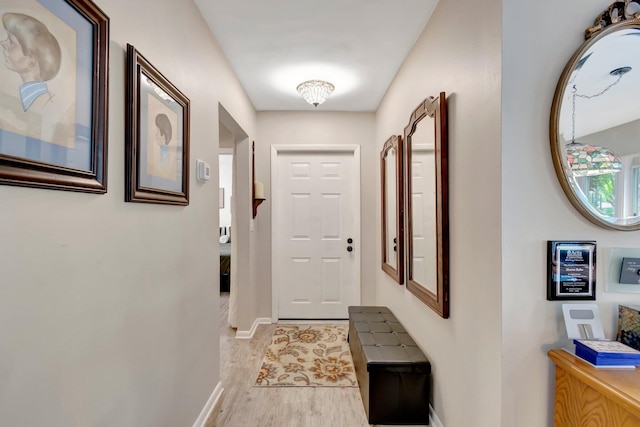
[586,396]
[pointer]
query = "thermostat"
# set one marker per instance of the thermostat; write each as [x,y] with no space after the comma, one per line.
[203,171]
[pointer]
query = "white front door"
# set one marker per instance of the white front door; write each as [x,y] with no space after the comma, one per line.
[423,206]
[316,210]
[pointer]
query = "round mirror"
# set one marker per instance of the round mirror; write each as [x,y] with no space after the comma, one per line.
[595,127]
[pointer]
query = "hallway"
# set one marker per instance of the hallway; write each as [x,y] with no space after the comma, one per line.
[246,406]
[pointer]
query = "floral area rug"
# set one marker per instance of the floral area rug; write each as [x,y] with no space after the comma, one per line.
[308,355]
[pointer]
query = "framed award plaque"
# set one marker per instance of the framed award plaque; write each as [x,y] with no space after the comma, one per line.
[571,270]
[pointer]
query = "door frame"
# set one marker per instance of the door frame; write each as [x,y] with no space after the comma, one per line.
[278,149]
[241,210]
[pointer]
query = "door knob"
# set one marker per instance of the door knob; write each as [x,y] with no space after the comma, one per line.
[349,248]
[349,240]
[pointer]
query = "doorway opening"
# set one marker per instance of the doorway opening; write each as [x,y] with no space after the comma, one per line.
[235,187]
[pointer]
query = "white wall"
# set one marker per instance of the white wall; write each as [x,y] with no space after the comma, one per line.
[317,127]
[109,310]
[458,53]
[535,209]
[490,364]
[226,174]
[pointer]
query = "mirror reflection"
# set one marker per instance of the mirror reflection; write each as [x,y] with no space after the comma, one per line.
[390,187]
[423,204]
[595,128]
[392,210]
[427,204]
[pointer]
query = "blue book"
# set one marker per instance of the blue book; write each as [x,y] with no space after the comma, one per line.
[607,353]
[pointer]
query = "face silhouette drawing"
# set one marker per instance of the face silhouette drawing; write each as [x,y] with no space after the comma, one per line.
[163,129]
[163,136]
[32,52]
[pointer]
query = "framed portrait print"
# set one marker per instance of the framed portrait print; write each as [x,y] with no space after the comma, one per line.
[157,139]
[53,94]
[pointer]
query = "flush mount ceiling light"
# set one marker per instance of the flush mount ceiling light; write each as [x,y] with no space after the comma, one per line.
[315,92]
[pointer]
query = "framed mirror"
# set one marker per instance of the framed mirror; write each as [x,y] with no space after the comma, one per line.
[427,204]
[595,122]
[391,185]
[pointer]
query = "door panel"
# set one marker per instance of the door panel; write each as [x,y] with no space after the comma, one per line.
[424,213]
[316,209]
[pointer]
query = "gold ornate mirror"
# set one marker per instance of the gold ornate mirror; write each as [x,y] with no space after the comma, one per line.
[427,235]
[595,121]
[391,184]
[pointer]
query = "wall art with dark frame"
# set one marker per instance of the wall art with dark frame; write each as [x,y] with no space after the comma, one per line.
[157,138]
[53,95]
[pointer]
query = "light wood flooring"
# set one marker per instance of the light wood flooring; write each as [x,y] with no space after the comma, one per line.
[246,406]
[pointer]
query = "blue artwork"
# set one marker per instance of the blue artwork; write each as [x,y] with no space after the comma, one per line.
[46,108]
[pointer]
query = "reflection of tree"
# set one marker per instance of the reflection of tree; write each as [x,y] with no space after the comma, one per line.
[602,193]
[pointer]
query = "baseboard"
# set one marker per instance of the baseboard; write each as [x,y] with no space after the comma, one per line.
[246,335]
[434,421]
[209,406]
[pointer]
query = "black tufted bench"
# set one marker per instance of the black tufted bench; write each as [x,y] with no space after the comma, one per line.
[393,373]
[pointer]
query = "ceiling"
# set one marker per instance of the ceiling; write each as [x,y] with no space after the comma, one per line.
[603,101]
[274,45]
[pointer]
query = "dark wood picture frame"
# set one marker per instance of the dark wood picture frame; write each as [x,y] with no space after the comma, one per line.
[436,109]
[156,171]
[397,272]
[47,165]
